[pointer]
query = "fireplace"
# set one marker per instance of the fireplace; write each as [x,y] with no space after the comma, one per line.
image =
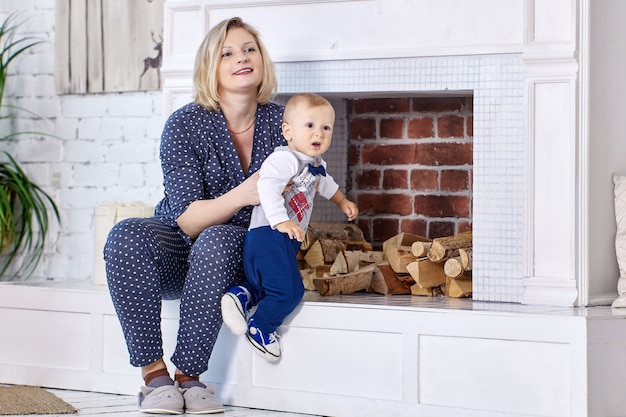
[519,64]
[493,87]
[410,165]
[481,120]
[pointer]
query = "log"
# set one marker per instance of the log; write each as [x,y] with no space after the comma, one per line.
[404,239]
[466,259]
[361,245]
[351,260]
[457,265]
[356,281]
[323,251]
[338,231]
[340,266]
[309,274]
[459,287]
[399,257]
[444,247]
[417,290]
[407,239]
[452,267]
[427,274]
[420,249]
[385,281]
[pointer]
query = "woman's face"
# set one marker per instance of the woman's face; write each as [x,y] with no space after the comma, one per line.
[241,66]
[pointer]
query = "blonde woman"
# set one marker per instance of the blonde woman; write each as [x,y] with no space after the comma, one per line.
[191,249]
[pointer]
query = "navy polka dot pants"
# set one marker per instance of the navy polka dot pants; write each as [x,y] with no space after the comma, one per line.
[148,261]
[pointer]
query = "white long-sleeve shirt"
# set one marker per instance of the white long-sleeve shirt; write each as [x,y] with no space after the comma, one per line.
[277,206]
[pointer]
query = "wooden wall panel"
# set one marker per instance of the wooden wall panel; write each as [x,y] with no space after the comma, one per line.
[108,46]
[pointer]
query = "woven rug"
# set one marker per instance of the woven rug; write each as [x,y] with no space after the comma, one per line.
[21,399]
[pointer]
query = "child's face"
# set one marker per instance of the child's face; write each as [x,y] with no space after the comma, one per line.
[310,129]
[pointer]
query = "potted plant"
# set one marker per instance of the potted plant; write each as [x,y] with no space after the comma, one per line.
[25,209]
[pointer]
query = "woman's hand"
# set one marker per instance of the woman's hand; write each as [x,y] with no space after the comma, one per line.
[248,190]
[204,213]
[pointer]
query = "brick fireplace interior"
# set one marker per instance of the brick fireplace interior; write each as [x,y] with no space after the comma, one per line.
[406,162]
[410,165]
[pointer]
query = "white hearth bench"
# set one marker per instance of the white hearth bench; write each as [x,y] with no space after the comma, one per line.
[357,355]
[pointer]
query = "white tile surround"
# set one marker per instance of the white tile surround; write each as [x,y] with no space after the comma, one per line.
[496,83]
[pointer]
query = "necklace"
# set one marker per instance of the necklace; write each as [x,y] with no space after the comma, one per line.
[243,131]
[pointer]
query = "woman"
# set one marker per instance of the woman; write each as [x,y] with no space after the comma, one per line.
[192,248]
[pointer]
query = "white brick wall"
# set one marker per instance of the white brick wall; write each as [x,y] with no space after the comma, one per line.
[99,147]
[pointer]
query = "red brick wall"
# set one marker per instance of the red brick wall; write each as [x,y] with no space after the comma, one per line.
[410,165]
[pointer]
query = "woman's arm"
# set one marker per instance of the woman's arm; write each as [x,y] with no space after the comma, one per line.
[201,214]
[189,159]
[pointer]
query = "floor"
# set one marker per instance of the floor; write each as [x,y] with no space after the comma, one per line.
[92,404]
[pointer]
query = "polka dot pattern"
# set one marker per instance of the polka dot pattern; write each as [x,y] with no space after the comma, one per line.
[151,259]
[199,160]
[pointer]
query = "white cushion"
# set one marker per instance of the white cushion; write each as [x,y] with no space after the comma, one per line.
[619,182]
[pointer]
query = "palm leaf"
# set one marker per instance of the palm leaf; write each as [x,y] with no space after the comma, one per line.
[11,48]
[24,221]
[25,208]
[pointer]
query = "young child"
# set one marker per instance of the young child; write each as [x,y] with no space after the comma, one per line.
[273,282]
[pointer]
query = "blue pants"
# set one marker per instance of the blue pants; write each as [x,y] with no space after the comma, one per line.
[148,261]
[272,276]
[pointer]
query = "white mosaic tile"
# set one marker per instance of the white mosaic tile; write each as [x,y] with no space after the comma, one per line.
[496,83]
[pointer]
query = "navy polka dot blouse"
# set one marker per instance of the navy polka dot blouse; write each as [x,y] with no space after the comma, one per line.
[199,160]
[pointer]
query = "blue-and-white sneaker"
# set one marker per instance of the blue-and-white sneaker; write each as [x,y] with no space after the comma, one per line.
[267,345]
[235,304]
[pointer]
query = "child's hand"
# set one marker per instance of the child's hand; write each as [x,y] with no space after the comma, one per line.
[292,229]
[349,208]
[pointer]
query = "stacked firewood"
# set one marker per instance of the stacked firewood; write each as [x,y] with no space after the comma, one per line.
[335,259]
[443,265]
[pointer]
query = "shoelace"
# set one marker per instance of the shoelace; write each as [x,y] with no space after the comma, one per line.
[274,337]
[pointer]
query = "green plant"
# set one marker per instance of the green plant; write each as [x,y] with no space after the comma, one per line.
[24,206]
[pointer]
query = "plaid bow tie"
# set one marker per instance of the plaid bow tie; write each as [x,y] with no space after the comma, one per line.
[317,170]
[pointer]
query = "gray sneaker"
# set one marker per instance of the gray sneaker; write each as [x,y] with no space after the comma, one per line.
[200,400]
[162,400]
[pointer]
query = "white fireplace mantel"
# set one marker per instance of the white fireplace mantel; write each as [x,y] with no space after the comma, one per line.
[550,216]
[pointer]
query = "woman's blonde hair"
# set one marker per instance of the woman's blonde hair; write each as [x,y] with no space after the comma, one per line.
[205,81]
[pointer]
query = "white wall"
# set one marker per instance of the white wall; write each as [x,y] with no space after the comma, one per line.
[606,144]
[105,146]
